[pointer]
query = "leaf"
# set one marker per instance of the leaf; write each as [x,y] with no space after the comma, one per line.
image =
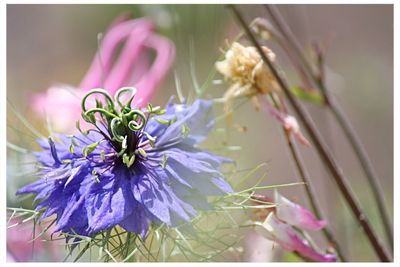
[311,95]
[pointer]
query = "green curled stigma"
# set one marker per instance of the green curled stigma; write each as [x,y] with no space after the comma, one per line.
[124,90]
[119,122]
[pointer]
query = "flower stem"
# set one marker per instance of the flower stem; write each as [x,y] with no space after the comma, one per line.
[342,120]
[295,154]
[321,147]
[311,194]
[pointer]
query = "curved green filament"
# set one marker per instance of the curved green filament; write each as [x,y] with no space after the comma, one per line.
[119,122]
[123,90]
[114,124]
[97,91]
[102,111]
[133,124]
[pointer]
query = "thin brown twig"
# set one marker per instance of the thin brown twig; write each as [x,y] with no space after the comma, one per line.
[341,118]
[304,176]
[311,194]
[321,147]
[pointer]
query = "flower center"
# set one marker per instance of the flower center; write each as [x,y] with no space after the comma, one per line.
[122,125]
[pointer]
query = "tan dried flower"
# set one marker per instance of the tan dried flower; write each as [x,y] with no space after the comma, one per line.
[249,75]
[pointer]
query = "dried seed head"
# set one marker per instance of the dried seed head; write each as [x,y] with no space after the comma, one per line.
[244,67]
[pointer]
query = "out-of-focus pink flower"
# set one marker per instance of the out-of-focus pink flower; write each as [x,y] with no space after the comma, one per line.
[20,244]
[278,227]
[62,103]
[289,122]
[282,233]
[296,215]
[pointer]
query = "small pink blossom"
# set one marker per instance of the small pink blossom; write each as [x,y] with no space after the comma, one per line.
[61,104]
[289,122]
[274,229]
[278,226]
[296,215]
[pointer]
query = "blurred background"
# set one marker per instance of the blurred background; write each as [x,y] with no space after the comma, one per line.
[49,44]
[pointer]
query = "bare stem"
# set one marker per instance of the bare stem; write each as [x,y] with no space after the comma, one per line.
[366,166]
[321,147]
[309,189]
[311,194]
[341,118]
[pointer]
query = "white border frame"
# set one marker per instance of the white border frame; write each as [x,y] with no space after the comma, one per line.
[3,80]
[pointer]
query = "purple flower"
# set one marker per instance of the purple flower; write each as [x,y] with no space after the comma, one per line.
[137,167]
[279,227]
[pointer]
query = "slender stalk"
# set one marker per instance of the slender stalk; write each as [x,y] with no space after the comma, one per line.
[309,189]
[321,147]
[366,166]
[341,118]
[311,193]
[292,41]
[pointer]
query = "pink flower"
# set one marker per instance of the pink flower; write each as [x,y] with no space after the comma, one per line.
[20,244]
[61,103]
[296,215]
[278,227]
[288,122]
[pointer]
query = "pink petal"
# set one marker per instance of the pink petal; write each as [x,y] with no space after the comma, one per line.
[289,122]
[19,242]
[108,47]
[61,104]
[131,68]
[283,234]
[295,214]
[139,71]
[127,59]
[165,50]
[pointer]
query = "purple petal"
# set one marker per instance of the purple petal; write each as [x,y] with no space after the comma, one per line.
[159,198]
[106,209]
[198,118]
[208,183]
[137,222]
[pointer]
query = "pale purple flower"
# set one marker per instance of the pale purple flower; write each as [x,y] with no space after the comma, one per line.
[131,68]
[279,227]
